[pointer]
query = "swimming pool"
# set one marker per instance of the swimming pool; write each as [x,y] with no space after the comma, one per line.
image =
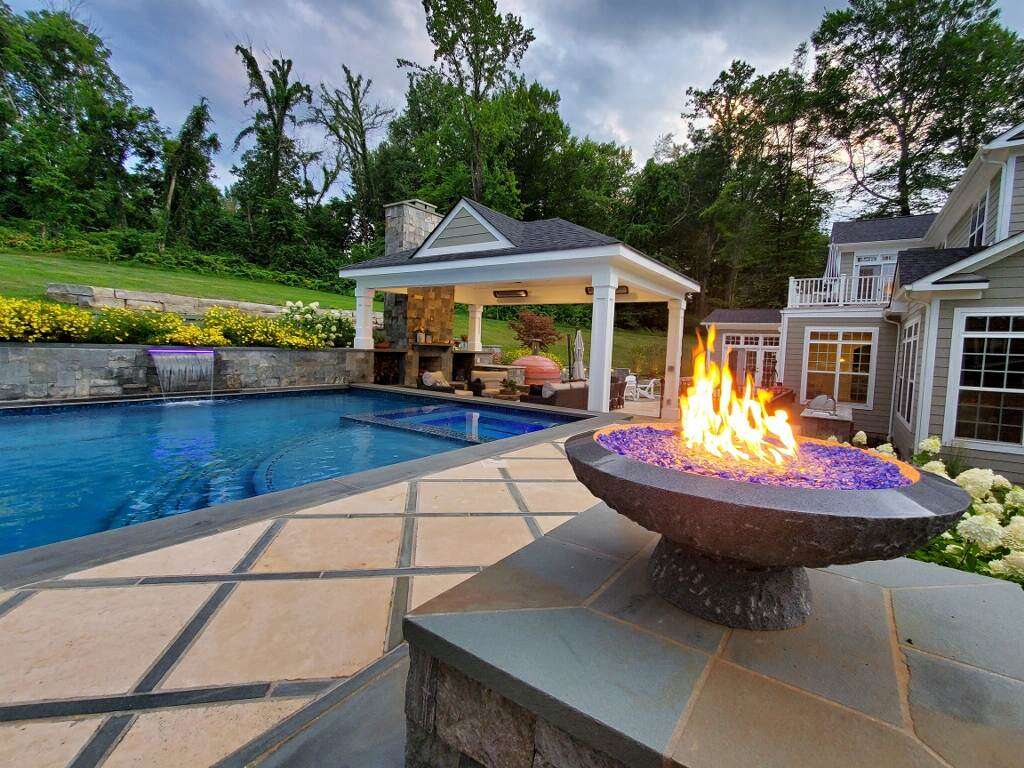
[70,471]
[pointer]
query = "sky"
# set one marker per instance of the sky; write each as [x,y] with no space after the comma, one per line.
[622,68]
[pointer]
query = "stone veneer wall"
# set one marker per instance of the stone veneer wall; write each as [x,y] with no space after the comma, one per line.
[431,309]
[453,721]
[68,371]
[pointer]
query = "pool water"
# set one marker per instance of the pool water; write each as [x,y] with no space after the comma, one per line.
[70,471]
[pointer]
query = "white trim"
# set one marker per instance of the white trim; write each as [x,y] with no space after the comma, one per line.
[1004,140]
[1003,213]
[900,375]
[783,338]
[927,378]
[869,405]
[960,314]
[979,220]
[500,241]
[993,252]
[870,245]
[875,311]
[760,327]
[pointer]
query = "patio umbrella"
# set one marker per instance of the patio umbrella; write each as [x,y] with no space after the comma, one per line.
[577,357]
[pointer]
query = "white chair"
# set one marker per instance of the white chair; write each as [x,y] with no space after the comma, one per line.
[650,390]
[630,393]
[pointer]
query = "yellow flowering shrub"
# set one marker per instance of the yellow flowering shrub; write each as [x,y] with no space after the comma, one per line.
[246,330]
[24,320]
[193,336]
[115,325]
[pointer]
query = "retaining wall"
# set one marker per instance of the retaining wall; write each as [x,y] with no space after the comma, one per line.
[69,371]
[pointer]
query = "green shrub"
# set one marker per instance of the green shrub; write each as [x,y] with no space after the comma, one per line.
[245,330]
[335,328]
[133,326]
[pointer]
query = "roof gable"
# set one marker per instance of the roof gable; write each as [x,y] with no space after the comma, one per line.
[917,263]
[463,230]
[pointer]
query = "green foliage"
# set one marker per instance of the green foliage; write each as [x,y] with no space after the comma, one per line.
[509,356]
[647,360]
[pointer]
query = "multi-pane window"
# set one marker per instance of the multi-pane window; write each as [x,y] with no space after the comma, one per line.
[755,355]
[839,365]
[976,232]
[990,399]
[733,340]
[906,369]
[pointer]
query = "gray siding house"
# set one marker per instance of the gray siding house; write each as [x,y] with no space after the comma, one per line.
[918,321]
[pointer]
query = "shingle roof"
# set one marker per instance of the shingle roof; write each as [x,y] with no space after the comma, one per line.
[753,316]
[915,263]
[872,230]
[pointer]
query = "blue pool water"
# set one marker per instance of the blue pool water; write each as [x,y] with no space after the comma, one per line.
[67,472]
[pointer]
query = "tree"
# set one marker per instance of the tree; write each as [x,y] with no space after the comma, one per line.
[476,50]
[530,327]
[350,117]
[188,166]
[911,88]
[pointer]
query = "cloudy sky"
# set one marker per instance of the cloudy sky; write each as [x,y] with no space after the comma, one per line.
[621,67]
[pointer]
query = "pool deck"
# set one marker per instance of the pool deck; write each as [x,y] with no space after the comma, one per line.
[179,642]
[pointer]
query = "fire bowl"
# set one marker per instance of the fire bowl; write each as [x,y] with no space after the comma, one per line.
[734,551]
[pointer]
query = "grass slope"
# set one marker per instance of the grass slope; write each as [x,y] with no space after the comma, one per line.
[26,276]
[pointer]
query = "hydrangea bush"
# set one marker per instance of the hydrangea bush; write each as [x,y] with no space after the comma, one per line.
[989,539]
[335,328]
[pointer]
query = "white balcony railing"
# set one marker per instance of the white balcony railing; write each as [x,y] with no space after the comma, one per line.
[839,291]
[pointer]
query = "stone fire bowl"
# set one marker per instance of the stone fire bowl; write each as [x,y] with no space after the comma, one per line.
[742,538]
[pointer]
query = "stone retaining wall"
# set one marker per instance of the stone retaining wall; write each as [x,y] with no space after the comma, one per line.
[67,371]
[94,297]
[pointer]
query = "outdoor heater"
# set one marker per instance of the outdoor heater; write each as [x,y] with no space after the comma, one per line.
[743,506]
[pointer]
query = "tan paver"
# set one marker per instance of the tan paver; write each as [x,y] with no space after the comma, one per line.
[218,553]
[324,545]
[542,451]
[488,469]
[468,540]
[90,642]
[464,497]
[389,499]
[289,630]
[196,736]
[540,469]
[47,744]
[550,522]
[556,497]
[426,588]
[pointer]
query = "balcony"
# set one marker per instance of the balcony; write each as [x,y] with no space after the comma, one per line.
[839,291]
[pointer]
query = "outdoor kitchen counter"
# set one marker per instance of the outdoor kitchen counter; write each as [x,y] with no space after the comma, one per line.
[560,655]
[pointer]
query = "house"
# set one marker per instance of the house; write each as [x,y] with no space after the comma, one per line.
[917,322]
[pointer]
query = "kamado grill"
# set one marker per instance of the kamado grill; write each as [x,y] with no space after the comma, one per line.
[743,506]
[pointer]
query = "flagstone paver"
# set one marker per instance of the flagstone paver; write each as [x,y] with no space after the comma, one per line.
[468,540]
[45,744]
[389,499]
[488,469]
[464,497]
[426,588]
[549,522]
[541,451]
[557,497]
[323,545]
[540,469]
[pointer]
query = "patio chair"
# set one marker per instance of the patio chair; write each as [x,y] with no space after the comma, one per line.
[651,390]
[630,392]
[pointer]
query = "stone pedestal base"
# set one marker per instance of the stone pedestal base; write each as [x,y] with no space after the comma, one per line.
[729,592]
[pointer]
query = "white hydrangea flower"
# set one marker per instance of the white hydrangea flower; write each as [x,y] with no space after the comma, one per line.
[289,304]
[1012,565]
[1000,483]
[982,530]
[886,448]
[831,439]
[930,445]
[976,482]
[1013,534]
[860,439]
[936,468]
[991,508]
[953,549]
[1014,498]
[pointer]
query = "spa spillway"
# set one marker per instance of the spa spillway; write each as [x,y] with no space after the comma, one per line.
[735,542]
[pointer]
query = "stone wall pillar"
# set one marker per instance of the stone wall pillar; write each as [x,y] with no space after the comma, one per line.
[406,225]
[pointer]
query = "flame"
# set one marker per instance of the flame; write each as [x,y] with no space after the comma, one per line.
[717,421]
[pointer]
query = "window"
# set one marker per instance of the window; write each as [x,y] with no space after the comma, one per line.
[839,364]
[753,355]
[872,276]
[732,340]
[976,231]
[990,390]
[906,370]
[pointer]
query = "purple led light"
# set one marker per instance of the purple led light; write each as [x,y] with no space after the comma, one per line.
[818,465]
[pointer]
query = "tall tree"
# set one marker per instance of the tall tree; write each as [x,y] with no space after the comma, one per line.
[911,88]
[476,50]
[351,118]
[188,166]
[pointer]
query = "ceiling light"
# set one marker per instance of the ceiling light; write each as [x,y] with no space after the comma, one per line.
[518,293]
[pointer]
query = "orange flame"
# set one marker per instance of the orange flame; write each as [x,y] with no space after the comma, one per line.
[722,424]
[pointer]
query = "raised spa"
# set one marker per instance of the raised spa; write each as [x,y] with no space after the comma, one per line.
[736,539]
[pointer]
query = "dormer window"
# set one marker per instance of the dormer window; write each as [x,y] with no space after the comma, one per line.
[976,233]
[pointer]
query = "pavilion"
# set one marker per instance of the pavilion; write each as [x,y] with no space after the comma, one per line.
[477,256]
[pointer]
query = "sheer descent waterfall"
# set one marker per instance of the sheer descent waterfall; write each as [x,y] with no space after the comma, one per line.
[182,370]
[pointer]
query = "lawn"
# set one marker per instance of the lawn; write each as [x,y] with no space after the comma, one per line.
[26,276]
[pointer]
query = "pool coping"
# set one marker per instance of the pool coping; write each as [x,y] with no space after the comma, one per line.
[52,561]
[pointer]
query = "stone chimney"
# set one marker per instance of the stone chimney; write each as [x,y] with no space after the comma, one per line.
[407,224]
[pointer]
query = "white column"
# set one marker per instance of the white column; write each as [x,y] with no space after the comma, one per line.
[673,360]
[364,317]
[476,314]
[602,327]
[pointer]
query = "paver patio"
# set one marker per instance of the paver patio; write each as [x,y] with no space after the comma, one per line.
[181,655]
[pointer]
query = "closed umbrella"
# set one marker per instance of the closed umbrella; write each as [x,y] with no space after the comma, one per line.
[577,357]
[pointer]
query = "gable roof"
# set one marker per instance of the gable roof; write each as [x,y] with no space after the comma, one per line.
[916,263]
[751,316]
[525,236]
[874,230]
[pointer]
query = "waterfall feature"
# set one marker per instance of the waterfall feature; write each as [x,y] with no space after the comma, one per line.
[183,370]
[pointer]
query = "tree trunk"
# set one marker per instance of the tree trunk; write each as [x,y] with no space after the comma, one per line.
[477,168]
[903,181]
